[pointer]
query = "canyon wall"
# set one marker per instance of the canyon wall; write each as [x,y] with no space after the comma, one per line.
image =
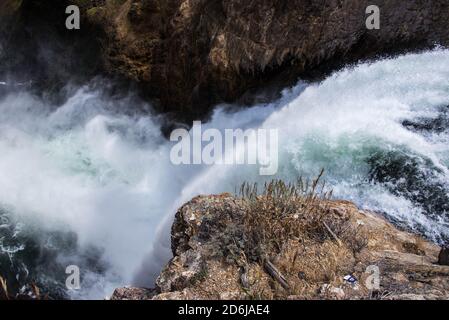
[187,55]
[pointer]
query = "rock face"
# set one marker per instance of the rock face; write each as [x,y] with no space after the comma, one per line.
[36,47]
[191,54]
[133,294]
[212,260]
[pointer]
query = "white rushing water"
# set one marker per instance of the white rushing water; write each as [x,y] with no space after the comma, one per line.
[107,177]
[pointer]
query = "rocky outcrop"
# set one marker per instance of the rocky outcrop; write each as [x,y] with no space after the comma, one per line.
[335,256]
[133,294]
[191,54]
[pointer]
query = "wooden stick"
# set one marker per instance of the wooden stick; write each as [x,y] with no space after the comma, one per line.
[4,289]
[244,277]
[276,274]
[333,234]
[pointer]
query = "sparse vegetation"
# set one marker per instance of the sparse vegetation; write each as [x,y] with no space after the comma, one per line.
[290,234]
[282,212]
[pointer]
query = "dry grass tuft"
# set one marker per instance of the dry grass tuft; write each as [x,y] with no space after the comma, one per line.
[290,240]
[4,295]
[283,212]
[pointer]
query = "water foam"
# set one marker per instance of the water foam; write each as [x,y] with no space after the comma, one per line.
[106,176]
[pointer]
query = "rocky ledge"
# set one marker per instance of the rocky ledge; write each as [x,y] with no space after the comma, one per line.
[277,247]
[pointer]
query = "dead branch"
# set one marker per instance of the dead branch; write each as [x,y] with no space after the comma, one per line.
[275,274]
[333,234]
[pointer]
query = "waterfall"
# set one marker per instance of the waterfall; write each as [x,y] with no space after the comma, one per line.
[83,183]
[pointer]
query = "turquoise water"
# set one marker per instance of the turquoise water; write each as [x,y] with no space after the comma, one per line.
[82,183]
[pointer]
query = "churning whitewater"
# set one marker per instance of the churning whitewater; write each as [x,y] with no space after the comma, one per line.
[83,184]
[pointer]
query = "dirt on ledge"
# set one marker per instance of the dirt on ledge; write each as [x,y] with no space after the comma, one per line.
[223,249]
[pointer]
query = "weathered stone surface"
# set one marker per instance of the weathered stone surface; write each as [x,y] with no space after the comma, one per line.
[191,54]
[406,262]
[133,294]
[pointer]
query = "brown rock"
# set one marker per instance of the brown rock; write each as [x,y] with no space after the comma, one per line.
[133,294]
[208,234]
[194,53]
[191,54]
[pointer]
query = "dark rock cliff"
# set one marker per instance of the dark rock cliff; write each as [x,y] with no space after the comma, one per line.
[35,46]
[187,55]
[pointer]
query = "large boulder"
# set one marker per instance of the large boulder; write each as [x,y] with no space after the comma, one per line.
[332,252]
